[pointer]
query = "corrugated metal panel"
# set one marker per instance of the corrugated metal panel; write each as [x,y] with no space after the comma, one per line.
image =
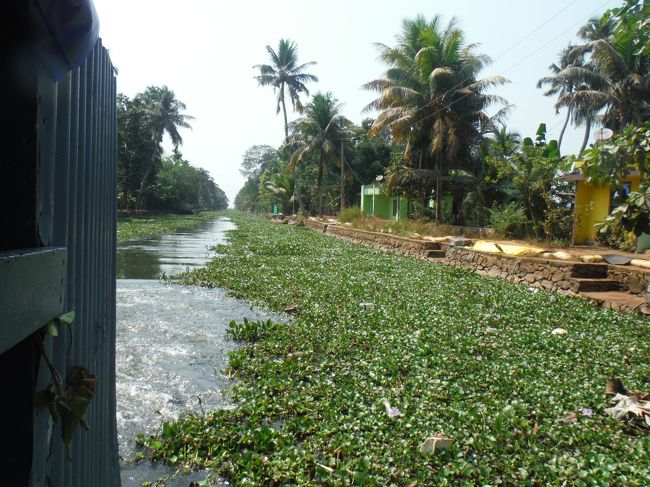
[77,132]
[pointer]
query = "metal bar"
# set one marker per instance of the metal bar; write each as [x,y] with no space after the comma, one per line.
[28,303]
[61,223]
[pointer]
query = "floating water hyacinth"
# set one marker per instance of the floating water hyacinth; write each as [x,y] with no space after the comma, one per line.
[331,398]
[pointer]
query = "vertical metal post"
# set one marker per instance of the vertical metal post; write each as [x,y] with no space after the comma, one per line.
[398,208]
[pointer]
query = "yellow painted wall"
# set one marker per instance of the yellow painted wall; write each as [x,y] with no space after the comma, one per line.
[592,206]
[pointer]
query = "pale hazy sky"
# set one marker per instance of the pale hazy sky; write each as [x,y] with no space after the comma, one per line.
[205,49]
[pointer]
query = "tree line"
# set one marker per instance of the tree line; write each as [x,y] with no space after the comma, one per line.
[146,178]
[440,136]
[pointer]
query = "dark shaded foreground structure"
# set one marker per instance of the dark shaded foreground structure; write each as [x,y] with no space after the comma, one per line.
[57,244]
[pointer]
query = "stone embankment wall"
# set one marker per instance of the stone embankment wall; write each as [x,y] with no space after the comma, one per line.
[632,280]
[549,274]
[316,225]
[546,274]
[390,243]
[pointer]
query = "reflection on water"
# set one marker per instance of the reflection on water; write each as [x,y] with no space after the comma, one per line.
[171,341]
[170,254]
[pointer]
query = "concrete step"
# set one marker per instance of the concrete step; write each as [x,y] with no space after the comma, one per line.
[586,284]
[619,301]
[436,254]
[584,270]
[431,245]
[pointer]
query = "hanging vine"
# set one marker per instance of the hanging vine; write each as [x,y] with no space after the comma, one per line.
[67,401]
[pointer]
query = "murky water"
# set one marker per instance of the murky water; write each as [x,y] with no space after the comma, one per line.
[171,343]
[170,254]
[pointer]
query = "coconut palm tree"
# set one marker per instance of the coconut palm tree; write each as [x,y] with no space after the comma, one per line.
[431,97]
[164,111]
[278,187]
[503,143]
[562,85]
[623,77]
[319,131]
[286,76]
[616,79]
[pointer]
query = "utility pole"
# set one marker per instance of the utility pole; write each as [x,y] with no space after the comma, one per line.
[342,182]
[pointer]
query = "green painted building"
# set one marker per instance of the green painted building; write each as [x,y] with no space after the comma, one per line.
[375,202]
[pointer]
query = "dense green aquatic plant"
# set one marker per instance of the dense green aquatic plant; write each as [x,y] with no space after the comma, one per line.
[466,356]
[251,331]
[133,228]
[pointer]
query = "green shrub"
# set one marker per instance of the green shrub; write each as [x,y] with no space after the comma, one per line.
[509,221]
[406,228]
[419,212]
[558,223]
[350,214]
[617,237]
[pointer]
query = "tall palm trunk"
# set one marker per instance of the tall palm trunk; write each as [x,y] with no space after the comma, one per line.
[294,174]
[566,122]
[457,205]
[481,207]
[321,164]
[438,199]
[143,182]
[586,138]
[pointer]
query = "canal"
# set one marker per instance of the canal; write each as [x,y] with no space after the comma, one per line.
[171,343]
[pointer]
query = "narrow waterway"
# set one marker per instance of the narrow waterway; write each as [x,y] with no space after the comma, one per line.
[171,343]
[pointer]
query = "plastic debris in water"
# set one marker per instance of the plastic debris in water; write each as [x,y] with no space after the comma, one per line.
[435,443]
[630,407]
[559,331]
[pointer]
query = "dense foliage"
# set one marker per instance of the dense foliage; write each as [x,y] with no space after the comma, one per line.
[611,162]
[615,159]
[456,353]
[146,179]
[181,186]
[271,183]
[605,78]
[534,169]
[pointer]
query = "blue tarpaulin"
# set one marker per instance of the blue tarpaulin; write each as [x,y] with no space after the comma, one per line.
[69,32]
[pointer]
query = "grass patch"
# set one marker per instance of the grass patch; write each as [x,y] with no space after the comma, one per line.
[352,213]
[136,227]
[464,355]
[401,228]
